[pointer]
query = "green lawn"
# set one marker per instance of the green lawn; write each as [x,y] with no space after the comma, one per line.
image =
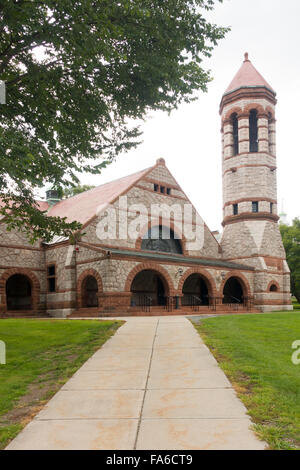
[255,353]
[41,355]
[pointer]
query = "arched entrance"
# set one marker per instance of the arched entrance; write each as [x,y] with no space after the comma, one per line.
[18,292]
[148,287]
[89,292]
[233,291]
[195,291]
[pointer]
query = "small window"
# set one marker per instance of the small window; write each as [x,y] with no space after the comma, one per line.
[169,191]
[253,131]
[156,187]
[271,207]
[235,209]
[270,132]
[162,189]
[51,278]
[235,133]
[255,206]
[273,288]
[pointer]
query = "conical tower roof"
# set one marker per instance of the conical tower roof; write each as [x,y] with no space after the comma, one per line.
[248,77]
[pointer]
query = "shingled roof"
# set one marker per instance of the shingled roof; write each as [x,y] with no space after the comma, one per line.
[41,205]
[247,76]
[84,206]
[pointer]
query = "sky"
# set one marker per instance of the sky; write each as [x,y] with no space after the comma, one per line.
[189,139]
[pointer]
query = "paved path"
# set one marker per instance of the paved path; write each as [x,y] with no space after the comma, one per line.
[153,385]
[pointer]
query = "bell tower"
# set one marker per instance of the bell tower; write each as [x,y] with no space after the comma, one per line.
[251,233]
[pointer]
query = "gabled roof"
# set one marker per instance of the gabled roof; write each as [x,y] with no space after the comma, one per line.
[84,206]
[246,77]
[41,205]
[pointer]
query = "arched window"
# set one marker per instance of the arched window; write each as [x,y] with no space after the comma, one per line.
[273,288]
[235,133]
[270,119]
[195,291]
[18,293]
[90,292]
[161,238]
[233,291]
[148,285]
[253,131]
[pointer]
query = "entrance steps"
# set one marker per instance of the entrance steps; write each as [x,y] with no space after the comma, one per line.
[86,312]
[157,311]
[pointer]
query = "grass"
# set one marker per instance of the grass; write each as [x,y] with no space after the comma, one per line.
[255,353]
[40,357]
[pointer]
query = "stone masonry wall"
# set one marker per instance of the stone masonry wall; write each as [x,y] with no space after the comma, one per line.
[140,199]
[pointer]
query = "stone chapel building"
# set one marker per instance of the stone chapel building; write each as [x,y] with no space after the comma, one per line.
[105,274]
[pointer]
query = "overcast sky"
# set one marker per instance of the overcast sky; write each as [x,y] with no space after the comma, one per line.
[189,139]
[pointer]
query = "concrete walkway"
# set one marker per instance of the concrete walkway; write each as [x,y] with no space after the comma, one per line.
[153,385]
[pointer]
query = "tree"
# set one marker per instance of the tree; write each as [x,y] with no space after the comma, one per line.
[291,241]
[77,72]
[80,188]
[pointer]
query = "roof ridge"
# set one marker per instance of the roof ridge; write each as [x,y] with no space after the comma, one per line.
[83,207]
[108,182]
[247,77]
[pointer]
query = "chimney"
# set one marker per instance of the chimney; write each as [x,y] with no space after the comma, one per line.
[52,197]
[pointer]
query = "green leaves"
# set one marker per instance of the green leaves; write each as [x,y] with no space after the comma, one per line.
[76,71]
[291,241]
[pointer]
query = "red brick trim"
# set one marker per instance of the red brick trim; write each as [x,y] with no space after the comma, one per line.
[237,110]
[243,280]
[17,267]
[89,260]
[168,283]
[253,165]
[92,247]
[273,302]
[249,199]
[268,292]
[211,285]
[232,219]
[35,288]
[248,93]
[254,256]
[80,280]
[250,153]
[21,247]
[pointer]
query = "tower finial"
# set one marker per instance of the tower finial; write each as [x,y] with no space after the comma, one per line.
[246,57]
